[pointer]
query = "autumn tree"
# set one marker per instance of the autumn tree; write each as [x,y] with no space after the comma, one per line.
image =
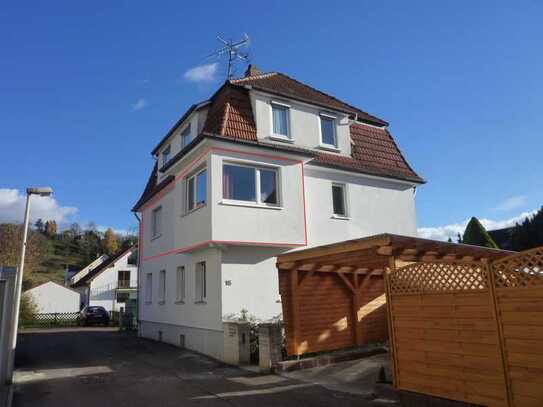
[11,236]
[476,234]
[51,228]
[110,244]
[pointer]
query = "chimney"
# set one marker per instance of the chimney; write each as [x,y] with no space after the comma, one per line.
[252,70]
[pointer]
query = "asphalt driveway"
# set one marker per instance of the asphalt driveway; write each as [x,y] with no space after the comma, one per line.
[102,367]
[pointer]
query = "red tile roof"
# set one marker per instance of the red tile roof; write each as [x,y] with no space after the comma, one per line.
[231,115]
[281,84]
[373,151]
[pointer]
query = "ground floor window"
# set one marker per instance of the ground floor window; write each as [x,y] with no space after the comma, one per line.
[162,286]
[180,286]
[149,288]
[201,283]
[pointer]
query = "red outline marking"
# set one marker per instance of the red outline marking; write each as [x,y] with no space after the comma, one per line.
[191,165]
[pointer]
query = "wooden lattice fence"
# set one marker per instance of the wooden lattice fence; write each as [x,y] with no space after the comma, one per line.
[54,319]
[470,331]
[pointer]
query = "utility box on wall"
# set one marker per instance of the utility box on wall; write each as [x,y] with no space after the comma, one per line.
[237,342]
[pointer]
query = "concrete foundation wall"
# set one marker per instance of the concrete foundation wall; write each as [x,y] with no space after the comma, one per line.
[207,341]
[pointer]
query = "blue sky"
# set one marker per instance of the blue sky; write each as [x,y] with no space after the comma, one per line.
[88,88]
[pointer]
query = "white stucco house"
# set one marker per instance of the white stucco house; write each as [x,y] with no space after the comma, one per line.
[51,297]
[109,281]
[266,165]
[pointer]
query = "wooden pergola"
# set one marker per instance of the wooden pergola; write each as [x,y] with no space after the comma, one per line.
[356,263]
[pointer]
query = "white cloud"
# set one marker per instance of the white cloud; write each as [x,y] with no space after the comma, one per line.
[452,230]
[139,105]
[123,232]
[12,205]
[202,73]
[511,203]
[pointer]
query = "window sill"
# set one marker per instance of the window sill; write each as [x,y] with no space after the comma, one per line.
[249,204]
[156,237]
[329,147]
[180,302]
[341,217]
[200,302]
[193,210]
[283,139]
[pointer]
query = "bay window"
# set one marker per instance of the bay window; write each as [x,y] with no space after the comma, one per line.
[256,185]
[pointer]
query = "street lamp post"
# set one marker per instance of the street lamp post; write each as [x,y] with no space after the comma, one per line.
[44,191]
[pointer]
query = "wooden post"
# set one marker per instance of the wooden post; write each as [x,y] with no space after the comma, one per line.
[295,310]
[392,269]
[501,340]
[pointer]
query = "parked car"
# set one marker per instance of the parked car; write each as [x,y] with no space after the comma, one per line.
[94,315]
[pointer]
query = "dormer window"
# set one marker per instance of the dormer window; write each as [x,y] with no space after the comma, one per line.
[280,120]
[186,136]
[328,131]
[166,155]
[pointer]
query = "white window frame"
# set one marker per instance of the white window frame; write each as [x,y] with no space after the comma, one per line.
[162,286]
[185,136]
[149,288]
[333,147]
[180,285]
[257,168]
[166,157]
[276,136]
[200,290]
[156,224]
[345,201]
[187,195]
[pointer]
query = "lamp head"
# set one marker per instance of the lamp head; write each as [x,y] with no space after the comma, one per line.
[41,191]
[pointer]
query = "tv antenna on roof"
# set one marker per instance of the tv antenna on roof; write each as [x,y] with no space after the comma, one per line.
[233,51]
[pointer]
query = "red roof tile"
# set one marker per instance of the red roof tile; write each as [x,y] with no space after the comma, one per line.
[373,151]
[278,83]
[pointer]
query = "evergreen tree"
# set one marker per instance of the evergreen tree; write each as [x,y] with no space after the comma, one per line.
[39,225]
[529,233]
[476,234]
[110,244]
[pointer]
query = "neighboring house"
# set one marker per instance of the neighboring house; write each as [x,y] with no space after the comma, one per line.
[266,165]
[111,283]
[51,297]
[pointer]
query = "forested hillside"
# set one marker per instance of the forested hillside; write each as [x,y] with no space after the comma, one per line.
[50,252]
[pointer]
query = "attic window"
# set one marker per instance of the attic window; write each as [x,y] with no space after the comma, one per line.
[328,131]
[166,155]
[280,120]
[186,136]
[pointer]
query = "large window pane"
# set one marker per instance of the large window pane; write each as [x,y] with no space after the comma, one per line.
[280,120]
[328,131]
[201,184]
[268,186]
[338,198]
[239,183]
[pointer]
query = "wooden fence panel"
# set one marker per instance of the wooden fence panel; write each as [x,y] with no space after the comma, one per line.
[518,282]
[446,341]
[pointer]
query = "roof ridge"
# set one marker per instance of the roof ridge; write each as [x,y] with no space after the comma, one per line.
[332,97]
[259,76]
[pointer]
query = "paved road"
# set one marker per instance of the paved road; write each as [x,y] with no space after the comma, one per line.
[100,367]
